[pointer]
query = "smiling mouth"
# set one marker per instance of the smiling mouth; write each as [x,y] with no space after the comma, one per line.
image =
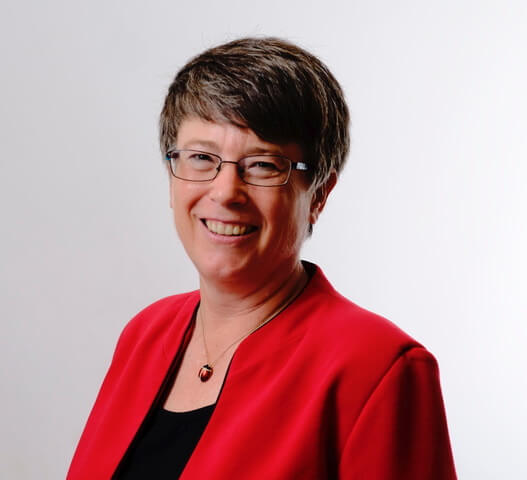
[228,229]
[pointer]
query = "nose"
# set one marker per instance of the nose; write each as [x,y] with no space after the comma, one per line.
[228,187]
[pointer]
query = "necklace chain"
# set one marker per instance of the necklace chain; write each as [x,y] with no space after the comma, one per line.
[206,371]
[261,324]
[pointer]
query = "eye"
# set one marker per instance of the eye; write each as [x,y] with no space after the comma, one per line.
[199,160]
[265,166]
[200,157]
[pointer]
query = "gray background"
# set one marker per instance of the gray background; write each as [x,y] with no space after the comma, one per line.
[427,225]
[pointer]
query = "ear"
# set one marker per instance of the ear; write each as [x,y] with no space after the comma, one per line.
[320,195]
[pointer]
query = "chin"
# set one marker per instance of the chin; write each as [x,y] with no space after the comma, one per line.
[225,271]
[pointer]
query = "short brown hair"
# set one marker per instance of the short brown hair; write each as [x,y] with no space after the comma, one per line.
[277,89]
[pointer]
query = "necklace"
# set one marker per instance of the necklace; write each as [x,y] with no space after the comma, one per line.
[206,371]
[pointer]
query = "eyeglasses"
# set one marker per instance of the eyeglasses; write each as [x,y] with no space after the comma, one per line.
[264,170]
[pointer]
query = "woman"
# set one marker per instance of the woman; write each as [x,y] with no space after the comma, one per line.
[266,371]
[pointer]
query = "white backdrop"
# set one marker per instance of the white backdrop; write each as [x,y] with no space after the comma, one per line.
[427,225]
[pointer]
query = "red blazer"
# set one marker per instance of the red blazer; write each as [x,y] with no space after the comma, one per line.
[326,390]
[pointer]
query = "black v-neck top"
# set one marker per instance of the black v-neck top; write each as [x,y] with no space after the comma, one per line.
[165,445]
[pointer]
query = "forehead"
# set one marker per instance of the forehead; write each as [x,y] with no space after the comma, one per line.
[227,138]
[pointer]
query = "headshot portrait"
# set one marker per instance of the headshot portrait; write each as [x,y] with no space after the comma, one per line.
[249,245]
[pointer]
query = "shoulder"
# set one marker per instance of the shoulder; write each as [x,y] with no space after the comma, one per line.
[157,320]
[349,335]
[159,312]
[349,325]
[338,318]
[352,351]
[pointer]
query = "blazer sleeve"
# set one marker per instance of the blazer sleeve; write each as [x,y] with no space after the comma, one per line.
[401,432]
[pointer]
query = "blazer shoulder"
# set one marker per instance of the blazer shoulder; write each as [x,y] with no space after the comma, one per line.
[157,318]
[348,334]
[346,325]
[346,321]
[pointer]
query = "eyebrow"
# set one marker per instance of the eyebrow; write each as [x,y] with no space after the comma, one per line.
[206,144]
[200,144]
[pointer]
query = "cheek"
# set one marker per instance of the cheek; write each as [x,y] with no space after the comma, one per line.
[294,223]
[180,205]
[182,195]
[172,192]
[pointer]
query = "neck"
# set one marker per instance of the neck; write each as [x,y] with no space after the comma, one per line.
[228,309]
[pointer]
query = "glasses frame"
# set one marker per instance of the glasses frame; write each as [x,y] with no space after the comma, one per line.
[301,166]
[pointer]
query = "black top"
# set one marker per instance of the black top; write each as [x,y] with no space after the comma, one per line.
[165,445]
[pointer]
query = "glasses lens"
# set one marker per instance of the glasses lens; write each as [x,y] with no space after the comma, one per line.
[265,170]
[194,165]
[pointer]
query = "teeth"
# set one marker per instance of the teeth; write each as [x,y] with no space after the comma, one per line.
[229,229]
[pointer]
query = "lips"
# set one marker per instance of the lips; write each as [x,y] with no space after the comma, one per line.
[228,229]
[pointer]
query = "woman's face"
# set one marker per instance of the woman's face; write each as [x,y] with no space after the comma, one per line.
[211,216]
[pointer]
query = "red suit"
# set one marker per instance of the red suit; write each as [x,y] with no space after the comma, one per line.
[325,390]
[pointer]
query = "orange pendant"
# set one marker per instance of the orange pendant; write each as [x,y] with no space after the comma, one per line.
[205,372]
